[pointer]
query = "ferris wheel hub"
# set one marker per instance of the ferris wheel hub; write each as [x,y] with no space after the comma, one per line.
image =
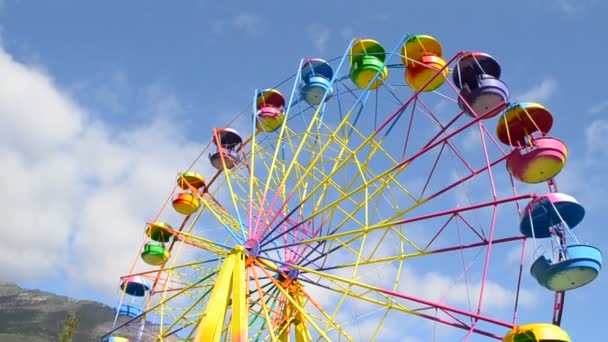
[252,246]
[290,272]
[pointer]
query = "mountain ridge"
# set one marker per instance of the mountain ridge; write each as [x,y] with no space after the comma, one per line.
[30,315]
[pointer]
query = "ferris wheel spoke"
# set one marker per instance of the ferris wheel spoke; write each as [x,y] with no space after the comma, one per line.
[179,320]
[316,212]
[346,291]
[400,213]
[168,268]
[387,305]
[276,316]
[158,307]
[379,177]
[347,287]
[295,302]
[252,168]
[274,213]
[223,216]
[203,243]
[229,182]
[322,187]
[318,152]
[262,294]
[331,322]
[273,169]
[355,234]
[349,217]
[425,252]
[457,153]
[443,128]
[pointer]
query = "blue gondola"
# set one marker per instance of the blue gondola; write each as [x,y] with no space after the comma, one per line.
[541,214]
[316,81]
[575,265]
[582,264]
[128,310]
[136,286]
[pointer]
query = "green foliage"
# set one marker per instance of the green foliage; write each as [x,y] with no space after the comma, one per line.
[69,328]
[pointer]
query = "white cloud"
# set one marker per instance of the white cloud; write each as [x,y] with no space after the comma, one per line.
[596,136]
[572,7]
[540,92]
[585,173]
[434,286]
[382,17]
[112,216]
[107,97]
[365,330]
[319,35]
[218,26]
[471,139]
[514,255]
[37,124]
[346,33]
[599,107]
[34,116]
[567,6]
[76,192]
[248,23]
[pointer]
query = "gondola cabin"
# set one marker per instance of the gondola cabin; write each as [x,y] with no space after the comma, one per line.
[228,141]
[367,64]
[270,114]
[541,160]
[116,339]
[191,179]
[129,310]
[578,266]
[159,231]
[134,287]
[482,93]
[418,46]
[546,212]
[228,138]
[537,332]
[573,265]
[425,68]
[224,160]
[155,254]
[186,203]
[521,120]
[316,76]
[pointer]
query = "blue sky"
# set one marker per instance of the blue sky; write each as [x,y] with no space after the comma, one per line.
[138,87]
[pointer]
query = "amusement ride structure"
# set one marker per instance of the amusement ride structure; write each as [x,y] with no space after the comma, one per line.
[358,198]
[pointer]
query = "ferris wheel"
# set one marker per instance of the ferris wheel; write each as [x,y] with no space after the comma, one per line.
[370,197]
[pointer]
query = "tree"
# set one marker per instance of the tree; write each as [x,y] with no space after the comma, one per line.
[69,328]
